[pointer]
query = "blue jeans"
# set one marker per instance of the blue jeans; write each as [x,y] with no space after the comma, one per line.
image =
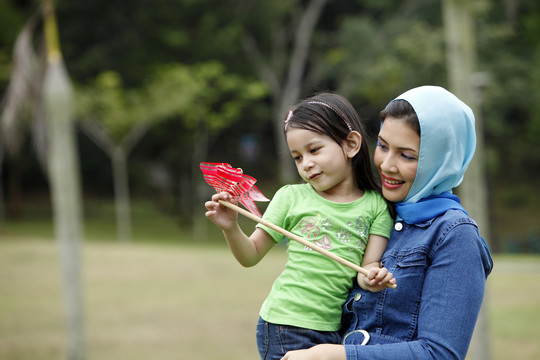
[273,340]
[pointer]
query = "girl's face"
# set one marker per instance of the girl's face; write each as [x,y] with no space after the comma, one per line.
[396,158]
[323,163]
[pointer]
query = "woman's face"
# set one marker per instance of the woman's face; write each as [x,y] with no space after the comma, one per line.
[396,158]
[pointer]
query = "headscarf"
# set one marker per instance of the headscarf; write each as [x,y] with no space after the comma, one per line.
[447,145]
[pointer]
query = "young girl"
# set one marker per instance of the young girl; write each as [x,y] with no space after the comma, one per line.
[338,208]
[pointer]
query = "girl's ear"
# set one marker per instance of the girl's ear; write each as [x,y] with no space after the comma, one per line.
[353,143]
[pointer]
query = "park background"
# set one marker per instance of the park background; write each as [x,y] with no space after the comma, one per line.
[159,86]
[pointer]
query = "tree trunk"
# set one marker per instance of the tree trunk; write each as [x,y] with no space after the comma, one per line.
[118,153]
[287,94]
[199,189]
[2,207]
[293,84]
[121,192]
[461,59]
[64,181]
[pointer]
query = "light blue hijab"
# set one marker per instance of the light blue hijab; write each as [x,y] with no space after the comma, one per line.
[447,146]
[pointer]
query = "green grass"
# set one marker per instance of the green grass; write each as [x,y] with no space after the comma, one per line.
[166,301]
[514,307]
[141,301]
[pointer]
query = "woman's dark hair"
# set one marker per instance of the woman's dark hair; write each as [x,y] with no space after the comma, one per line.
[401,109]
[334,116]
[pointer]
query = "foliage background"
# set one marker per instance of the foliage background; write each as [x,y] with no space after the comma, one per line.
[181,65]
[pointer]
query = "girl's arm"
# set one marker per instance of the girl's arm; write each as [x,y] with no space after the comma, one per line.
[247,250]
[378,277]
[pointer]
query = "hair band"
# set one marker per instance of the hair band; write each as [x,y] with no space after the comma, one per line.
[339,113]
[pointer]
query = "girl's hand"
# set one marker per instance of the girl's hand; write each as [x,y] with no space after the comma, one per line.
[377,279]
[318,352]
[221,215]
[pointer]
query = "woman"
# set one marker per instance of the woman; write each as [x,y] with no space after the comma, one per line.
[435,251]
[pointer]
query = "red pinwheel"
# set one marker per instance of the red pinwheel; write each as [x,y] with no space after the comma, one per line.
[223,177]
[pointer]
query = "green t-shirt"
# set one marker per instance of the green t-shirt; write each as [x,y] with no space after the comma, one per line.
[312,288]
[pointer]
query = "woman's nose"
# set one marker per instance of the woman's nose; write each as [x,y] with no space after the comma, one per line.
[388,163]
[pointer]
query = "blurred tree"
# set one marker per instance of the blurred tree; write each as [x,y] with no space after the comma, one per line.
[203,96]
[509,53]
[63,167]
[461,57]
[116,132]
[368,50]
[40,93]
[21,106]
[2,206]
[135,37]
[384,49]
[11,21]
[284,68]
[509,48]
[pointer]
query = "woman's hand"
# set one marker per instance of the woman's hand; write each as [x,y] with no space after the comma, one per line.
[318,352]
[221,215]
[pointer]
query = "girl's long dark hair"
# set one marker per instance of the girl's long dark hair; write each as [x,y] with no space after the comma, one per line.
[333,115]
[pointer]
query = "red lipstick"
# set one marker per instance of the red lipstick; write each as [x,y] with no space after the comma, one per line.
[391,183]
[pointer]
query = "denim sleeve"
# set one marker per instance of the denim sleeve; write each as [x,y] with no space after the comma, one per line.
[452,294]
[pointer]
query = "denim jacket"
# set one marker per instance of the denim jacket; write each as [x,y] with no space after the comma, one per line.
[440,266]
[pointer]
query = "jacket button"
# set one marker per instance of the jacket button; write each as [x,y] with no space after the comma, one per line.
[398,226]
[357,297]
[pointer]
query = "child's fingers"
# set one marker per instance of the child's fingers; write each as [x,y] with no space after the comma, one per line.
[384,277]
[388,279]
[223,196]
[220,196]
[381,274]
[210,205]
[372,273]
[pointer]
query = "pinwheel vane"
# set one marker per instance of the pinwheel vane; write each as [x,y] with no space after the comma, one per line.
[223,177]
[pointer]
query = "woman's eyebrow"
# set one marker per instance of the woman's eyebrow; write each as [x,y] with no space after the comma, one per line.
[406,148]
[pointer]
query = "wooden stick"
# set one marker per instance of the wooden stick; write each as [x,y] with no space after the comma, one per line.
[294,237]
